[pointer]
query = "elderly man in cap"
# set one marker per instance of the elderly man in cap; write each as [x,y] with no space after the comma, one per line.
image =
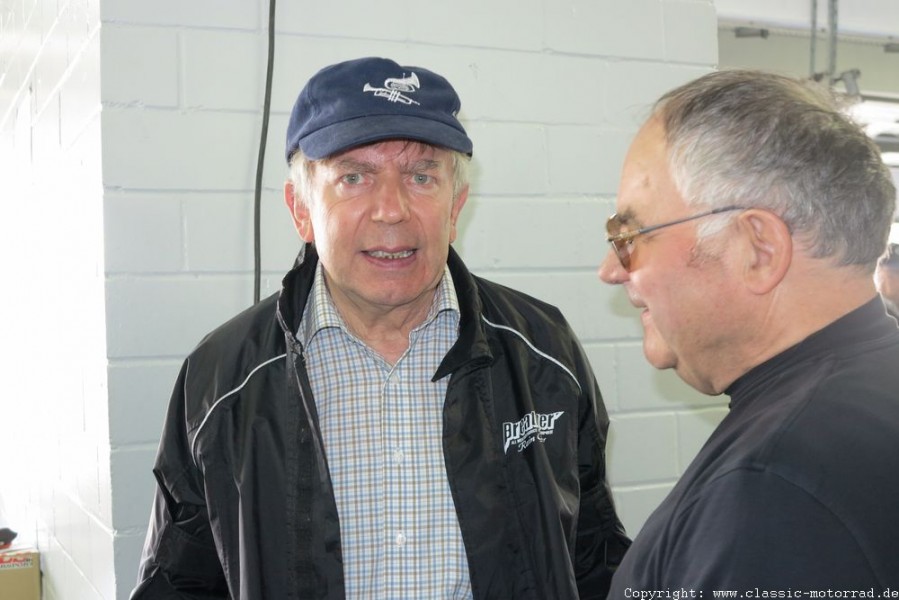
[750,216]
[388,425]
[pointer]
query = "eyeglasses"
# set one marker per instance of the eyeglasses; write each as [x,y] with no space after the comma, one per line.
[623,243]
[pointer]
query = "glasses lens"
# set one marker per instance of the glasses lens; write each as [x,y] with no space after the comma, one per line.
[622,247]
[613,225]
[623,251]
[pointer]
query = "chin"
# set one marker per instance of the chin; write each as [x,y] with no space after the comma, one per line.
[658,353]
[660,361]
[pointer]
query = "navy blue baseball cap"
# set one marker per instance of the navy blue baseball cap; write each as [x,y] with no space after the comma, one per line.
[372,99]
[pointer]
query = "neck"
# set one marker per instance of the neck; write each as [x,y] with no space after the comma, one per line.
[384,329]
[808,300]
[387,334]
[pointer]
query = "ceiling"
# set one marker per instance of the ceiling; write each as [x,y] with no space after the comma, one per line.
[875,18]
[867,18]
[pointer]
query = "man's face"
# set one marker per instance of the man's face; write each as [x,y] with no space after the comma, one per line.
[382,218]
[682,291]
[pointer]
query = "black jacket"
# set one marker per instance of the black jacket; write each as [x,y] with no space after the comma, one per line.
[244,504]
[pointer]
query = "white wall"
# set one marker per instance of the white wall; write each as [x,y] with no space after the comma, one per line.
[54,475]
[552,91]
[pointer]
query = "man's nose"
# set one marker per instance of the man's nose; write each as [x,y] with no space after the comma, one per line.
[611,270]
[391,202]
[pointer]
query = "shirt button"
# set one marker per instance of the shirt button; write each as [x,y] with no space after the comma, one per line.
[398,456]
[400,539]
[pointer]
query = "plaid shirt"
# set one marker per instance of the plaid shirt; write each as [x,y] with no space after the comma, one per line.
[382,427]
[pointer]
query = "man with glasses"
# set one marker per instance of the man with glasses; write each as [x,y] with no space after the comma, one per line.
[750,217]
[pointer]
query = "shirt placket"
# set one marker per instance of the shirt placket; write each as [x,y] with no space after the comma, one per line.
[398,535]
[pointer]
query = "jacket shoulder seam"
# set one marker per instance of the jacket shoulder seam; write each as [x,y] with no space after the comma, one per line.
[218,401]
[534,349]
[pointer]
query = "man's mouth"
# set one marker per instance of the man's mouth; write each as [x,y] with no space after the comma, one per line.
[390,255]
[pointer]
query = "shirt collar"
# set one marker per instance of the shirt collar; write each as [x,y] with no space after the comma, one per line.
[321,313]
[848,335]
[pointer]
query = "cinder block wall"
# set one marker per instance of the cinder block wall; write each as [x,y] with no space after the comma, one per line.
[55,483]
[552,93]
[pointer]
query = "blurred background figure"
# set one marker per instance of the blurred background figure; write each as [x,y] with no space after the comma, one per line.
[886,277]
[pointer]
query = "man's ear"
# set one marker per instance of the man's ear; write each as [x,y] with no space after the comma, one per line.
[299,212]
[768,245]
[458,203]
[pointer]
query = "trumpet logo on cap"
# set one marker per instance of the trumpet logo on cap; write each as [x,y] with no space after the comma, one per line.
[394,88]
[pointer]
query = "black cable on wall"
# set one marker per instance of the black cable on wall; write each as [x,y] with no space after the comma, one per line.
[260,163]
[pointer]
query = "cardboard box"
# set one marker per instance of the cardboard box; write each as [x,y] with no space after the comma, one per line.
[20,574]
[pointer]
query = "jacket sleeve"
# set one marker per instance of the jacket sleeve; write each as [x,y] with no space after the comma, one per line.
[179,559]
[601,539]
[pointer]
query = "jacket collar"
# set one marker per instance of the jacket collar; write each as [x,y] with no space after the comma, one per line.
[295,288]
[471,346]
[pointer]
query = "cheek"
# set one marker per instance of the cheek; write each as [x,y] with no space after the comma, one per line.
[333,224]
[435,221]
[668,304]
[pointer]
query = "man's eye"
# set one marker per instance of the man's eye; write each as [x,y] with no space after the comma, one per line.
[422,179]
[352,178]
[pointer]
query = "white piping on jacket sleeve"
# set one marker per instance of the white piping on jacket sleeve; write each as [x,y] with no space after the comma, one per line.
[193,450]
[535,349]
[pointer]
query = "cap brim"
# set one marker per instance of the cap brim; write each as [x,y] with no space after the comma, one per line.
[342,136]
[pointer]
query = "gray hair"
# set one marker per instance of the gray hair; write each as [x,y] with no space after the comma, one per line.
[302,169]
[761,140]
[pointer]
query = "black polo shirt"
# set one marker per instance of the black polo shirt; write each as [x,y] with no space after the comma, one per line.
[797,490]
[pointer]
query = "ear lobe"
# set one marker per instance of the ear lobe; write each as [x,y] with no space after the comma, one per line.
[299,212]
[769,247]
